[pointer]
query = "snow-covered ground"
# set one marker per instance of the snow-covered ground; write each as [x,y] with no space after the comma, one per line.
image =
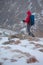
[21,51]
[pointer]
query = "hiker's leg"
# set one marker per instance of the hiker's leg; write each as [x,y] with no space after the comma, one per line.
[28,28]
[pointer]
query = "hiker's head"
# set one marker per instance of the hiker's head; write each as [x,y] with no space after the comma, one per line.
[28,12]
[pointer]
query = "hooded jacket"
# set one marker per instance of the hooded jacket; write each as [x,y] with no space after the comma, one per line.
[27,19]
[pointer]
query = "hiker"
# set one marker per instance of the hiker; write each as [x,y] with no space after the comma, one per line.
[28,21]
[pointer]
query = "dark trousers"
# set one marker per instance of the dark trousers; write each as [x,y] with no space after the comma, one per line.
[28,29]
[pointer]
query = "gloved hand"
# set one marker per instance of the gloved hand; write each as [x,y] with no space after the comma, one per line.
[23,20]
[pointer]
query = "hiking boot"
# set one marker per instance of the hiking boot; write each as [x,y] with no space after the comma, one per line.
[31,34]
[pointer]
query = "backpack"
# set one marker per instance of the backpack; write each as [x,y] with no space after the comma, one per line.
[32,19]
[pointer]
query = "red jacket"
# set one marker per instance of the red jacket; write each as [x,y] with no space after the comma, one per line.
[27,19]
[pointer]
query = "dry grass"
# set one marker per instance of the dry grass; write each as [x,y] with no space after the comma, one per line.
[24,46]
[12,36]
[12,42]
[1,63]
[7,47]
[0,38]
[41,50]
[22,36]
[16,36]
[0,33]
[38,33]
[32,60]
[17,42]
[13,60]
[5,59]
[7,42]
[23,53]
[32,43]
[38,45]
[32,38]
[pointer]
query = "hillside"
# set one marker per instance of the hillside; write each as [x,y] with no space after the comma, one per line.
[12,12]
[20,49]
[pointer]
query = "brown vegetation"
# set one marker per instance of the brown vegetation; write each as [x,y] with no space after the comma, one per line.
[12,42]
[13,60]
[32,60]
[5,59]
[41,50]
[38,45]
[17,42]
[1,63]
[24,53]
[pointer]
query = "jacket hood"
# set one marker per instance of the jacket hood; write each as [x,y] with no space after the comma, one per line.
[28,12]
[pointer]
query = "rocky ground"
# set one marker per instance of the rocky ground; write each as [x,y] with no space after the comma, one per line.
[20,49]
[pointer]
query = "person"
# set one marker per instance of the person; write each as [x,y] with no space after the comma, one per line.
[28,21]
